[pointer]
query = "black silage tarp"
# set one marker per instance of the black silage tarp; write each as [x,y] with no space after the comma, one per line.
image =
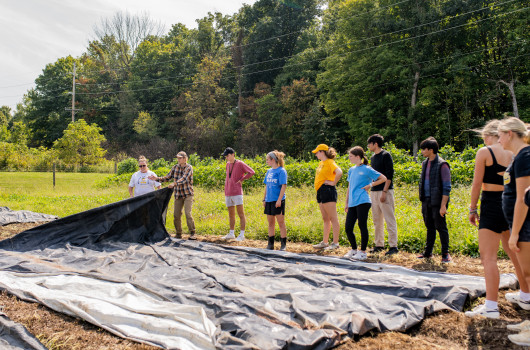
[257,299]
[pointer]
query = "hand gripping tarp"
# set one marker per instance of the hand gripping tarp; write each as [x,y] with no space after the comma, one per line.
[223,297]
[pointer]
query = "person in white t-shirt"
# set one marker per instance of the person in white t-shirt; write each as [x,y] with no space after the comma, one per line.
[140,183]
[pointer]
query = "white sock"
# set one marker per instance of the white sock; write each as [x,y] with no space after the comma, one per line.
[491,305]
[242,233]
[524,296]
[231,232]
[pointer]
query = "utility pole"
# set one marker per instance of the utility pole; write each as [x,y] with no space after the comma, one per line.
[73,98]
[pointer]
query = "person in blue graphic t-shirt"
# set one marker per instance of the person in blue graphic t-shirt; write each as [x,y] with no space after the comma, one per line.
[274,197]
[361,178]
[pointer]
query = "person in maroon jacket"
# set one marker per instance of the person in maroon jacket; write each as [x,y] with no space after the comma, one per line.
[236,172]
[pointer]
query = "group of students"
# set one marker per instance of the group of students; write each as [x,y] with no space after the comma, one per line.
[361,179]
[502,174]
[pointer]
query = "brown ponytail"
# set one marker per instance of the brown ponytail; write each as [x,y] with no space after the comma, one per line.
[359,152]
[331,153]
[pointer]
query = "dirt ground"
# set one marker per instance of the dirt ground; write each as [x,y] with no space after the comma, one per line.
[444,330]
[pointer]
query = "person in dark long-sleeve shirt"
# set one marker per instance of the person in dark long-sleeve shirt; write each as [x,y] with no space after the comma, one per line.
[382,197]
[434,191]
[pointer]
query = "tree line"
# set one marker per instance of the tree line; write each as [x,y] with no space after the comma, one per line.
[288,75]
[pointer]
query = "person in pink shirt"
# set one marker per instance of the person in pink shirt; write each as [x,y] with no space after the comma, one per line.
[236,172]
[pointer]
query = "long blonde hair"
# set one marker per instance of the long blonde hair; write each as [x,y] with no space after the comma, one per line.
[517,126]
[490,129]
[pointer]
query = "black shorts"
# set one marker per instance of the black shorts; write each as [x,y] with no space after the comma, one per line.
[491,214]
[326,193]
[270,208]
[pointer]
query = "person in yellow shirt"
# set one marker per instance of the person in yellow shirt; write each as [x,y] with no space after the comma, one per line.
[327,175]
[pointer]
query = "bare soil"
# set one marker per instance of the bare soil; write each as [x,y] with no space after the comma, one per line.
[444,330]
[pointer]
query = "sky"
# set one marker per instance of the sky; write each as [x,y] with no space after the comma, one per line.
[34,33]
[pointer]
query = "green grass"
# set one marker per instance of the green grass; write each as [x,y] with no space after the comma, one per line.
[76,192]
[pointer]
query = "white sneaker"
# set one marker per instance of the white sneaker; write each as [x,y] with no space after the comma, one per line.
[360,256]
[522,339]
[240,238]
[332,246]
[350,254]
[230,236]
[481,310]
[320,245]
[523,326]
[515,298]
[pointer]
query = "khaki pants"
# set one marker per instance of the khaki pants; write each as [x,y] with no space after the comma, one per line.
[384,211]
[186,203]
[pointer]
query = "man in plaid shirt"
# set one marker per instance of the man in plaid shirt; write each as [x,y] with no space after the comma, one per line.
[182,175]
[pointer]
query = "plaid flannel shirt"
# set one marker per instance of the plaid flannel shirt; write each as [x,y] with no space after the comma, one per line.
[183,177]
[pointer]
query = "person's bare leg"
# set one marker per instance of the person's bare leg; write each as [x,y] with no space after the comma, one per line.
[327,222]
[242,219]
[488,243]
[331,212]
[232,217]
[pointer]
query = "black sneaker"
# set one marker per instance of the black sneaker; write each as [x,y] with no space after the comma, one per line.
[192,237]
[392,251]
[377,249]
[424,256]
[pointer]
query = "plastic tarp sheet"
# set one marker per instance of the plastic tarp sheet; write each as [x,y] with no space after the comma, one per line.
[8,216]
[14,336]
[239,298]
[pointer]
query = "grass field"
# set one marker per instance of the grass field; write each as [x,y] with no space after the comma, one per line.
[76,192]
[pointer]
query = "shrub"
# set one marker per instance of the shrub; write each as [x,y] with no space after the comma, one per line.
[210,172]
[129,165]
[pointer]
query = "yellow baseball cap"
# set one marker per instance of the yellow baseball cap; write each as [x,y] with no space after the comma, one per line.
[321,147]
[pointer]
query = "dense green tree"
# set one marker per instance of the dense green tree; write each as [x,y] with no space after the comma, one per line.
[145,126]
[271,30]
[206,108]
[47,116]
[80,144]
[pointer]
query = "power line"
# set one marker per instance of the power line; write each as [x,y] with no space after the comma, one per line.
[252,43]
[320,59]
[255,104]
[349,43]
[291,56]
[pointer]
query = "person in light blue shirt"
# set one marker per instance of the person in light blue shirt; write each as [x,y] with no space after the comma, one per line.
[274,197]
[361,178]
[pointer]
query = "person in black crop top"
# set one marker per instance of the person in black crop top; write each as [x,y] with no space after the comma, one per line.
[514,135]
[490,164]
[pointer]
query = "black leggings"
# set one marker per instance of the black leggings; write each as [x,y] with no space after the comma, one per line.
[359,212]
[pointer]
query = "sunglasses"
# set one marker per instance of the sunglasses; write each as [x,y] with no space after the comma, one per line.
[142,166]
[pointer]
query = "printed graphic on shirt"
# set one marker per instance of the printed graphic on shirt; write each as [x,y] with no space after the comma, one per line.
[274,179]
[506,178]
